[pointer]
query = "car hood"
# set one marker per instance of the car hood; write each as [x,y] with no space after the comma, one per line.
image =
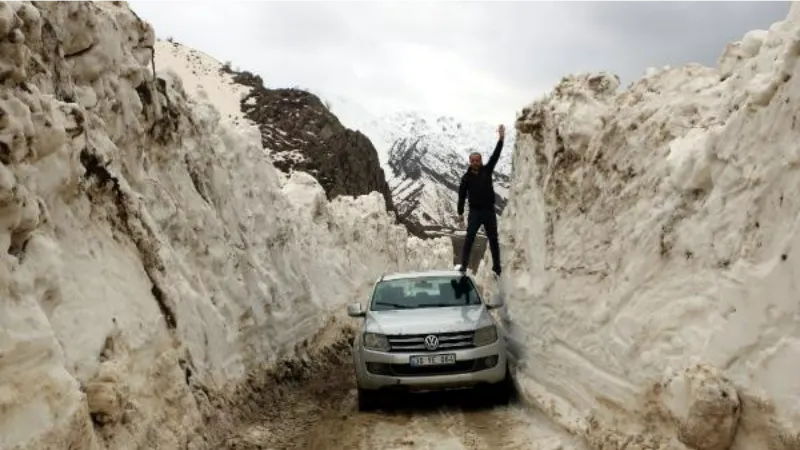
[428,320]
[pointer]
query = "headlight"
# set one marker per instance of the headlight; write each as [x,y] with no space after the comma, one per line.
[485,336]
[374,341]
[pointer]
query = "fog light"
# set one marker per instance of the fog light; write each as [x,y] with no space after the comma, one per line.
[378,368]
[490,361]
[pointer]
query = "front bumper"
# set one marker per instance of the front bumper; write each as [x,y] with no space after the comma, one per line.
[379,370]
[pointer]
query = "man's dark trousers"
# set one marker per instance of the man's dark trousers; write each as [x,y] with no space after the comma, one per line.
[488,219]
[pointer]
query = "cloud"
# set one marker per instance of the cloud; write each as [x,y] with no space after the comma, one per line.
[479,60]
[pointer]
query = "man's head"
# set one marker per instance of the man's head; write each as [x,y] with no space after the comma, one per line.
[475,161]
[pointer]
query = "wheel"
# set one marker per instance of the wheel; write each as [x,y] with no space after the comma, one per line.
[367,400]
[503,392]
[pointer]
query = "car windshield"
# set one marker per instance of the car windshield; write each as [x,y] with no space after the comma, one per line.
[424,292]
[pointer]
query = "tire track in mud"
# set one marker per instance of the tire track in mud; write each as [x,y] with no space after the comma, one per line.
[443,428]
[310,404]
[435,424]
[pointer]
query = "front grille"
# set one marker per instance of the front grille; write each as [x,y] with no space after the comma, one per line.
[416,342]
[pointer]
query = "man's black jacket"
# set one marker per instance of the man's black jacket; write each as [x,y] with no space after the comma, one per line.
[477,186]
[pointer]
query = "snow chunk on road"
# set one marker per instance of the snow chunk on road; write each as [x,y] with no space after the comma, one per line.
[653,231]
[149,256]
[704,406]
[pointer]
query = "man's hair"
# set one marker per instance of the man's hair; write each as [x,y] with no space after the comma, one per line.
[474,153]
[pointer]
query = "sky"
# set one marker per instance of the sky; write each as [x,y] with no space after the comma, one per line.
[472,60]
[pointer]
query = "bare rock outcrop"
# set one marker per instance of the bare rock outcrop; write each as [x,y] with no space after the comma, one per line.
[301,133]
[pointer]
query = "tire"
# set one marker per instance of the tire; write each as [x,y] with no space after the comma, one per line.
[502,393]
[367,400]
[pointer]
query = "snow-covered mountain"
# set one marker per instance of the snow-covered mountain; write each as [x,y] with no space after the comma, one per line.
[424,156]
[297,129]
[427,159]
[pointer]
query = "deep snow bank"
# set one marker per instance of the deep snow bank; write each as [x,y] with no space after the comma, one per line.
[151,255]
[651,246]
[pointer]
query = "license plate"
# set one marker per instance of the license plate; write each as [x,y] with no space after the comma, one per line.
[432,360]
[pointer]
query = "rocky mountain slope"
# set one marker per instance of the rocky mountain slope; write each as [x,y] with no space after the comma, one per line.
[297,129]
[424,157]
[216,82]
[421,157]
[651,239]
[154,262]
[426,161]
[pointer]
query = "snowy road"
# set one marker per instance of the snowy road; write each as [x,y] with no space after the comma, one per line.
[440,422]
[314,407]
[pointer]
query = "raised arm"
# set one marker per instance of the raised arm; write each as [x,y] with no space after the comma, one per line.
[501,134]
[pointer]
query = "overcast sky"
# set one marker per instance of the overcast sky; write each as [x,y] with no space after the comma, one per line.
[472,60]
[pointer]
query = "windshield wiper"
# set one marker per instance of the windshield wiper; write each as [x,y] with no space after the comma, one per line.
[443,305]
[394,305]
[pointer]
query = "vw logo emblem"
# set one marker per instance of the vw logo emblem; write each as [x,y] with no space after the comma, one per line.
[431,342]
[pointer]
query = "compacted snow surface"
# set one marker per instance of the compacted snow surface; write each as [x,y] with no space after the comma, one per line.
[650,248]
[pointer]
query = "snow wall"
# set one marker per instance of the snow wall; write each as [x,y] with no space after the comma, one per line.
[145,246]
[652,247]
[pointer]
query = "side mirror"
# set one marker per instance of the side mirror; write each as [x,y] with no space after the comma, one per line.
[354,310]
[496,302]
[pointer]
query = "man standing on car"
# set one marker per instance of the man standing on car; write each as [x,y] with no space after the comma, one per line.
[476,185]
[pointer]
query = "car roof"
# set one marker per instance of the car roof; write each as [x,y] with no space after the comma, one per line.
[421,274]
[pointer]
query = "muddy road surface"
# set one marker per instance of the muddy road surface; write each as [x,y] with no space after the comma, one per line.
[312,406]
[434,422]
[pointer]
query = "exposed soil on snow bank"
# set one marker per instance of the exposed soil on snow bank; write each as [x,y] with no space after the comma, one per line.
[277,404]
